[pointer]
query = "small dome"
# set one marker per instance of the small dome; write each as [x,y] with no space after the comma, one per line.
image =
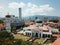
[38,21]
[8,16]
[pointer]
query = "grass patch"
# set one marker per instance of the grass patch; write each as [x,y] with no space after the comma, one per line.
[19,36]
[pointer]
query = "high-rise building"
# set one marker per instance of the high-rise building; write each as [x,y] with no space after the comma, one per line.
[20,17]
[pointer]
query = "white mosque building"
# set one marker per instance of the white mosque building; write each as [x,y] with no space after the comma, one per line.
[39,31]
[11,21]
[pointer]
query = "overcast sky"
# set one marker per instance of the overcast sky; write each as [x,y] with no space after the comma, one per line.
[30,7]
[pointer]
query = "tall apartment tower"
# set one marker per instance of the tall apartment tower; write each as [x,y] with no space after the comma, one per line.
[20,17]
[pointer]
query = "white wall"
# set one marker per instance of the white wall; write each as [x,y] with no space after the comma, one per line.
[8,27]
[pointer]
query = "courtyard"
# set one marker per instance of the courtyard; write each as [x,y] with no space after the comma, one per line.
[19,36]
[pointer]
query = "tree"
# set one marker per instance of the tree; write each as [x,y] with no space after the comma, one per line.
[1,21]
[5,34]
[17,42]
[7,41]
[7,38]
[53,20]
[13,28]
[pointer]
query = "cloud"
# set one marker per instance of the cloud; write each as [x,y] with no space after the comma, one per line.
[32,9]
[1,8]
[15,5]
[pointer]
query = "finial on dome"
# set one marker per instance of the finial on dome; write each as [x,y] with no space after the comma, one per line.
[8,15]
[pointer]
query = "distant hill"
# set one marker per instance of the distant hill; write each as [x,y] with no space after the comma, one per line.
[40,17]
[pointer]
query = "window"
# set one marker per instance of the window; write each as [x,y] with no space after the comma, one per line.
[29,29]
[40,34]
[23,30]
[30,33]
[45,30]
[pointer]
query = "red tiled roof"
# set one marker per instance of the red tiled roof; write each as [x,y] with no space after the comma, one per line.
[2,25]
[45,28]
[56,35]
[29,22]
[51,23]
[56,42]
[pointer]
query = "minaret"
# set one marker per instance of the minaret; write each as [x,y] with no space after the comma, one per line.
[20,17]
[8,22]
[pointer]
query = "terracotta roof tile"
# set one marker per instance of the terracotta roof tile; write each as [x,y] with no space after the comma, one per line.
[2,25]
[56,42]
[56,35]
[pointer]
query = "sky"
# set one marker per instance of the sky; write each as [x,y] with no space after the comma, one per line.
[30,7]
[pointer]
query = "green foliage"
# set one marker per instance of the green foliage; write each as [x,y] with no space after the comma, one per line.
[1,21]
[8,39]
[20,42]
[25,43]
[13,28]
[5,34]
[17,42]
[55,21]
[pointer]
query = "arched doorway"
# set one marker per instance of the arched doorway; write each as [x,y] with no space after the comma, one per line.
[36,35]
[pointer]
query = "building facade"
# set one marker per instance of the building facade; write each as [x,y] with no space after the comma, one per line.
[12,21]
[37,31]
